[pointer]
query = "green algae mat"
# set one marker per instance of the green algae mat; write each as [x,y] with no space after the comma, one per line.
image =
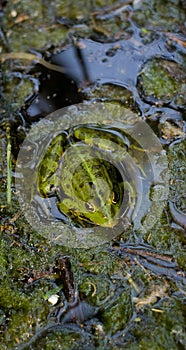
[92,169]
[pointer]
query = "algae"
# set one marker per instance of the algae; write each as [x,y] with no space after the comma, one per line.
[163,82]
[107,279]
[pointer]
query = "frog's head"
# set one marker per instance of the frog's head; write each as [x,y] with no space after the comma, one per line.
[90,217]
[92,195]
[88,186]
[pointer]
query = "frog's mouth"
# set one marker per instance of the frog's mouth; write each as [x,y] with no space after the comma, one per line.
[99,211]
[91,215]
[80,220]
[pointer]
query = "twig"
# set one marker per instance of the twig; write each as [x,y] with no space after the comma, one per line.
[31,57]
[9,166]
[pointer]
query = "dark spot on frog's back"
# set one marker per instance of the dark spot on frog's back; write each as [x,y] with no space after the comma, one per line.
[81,185]
[96,167]
[101,193]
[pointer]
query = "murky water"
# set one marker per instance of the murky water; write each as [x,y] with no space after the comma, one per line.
[121,64]
[129,292]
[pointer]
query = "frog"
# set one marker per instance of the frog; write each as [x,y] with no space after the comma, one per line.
[88,187]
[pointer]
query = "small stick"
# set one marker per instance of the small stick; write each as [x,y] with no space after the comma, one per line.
[31,57]
[9,166]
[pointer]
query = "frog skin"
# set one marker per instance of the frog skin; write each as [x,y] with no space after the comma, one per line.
[49,164]
[88,187]
[102,137]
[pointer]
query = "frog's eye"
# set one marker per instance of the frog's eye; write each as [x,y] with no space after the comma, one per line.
[90,207]
[53,190]
[115,198]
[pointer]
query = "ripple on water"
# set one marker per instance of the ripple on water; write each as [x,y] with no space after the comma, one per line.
[89,172]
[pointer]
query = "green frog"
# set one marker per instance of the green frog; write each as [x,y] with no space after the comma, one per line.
[77,170]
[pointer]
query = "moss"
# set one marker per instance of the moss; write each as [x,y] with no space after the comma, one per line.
[96,261]
[176,157]
[96,289]
[12,298]
[162,81]
[33,24]
[101,277]
[38,40]
[166,15]
[160,330]
[17,89]
[118,313]
[109,92]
